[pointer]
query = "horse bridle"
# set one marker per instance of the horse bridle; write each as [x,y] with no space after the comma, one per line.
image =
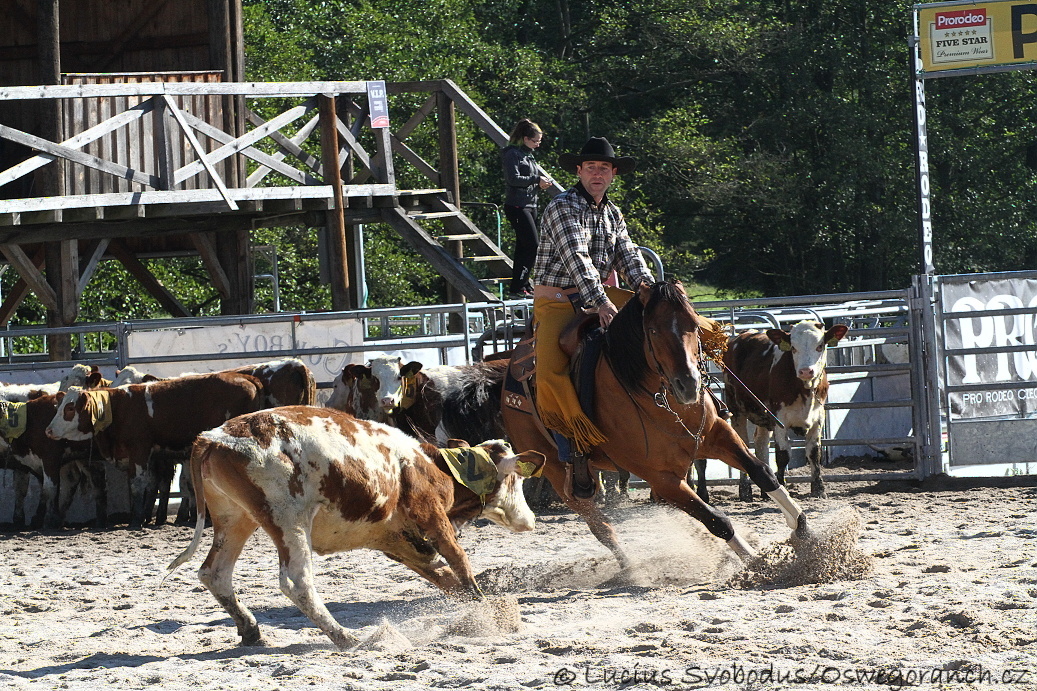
[661,397]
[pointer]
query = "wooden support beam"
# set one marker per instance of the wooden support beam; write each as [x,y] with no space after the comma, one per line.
[95,253]
[234,251]
[291,146]
[79,141]
[162,143]
[31,274]
[18,292]
[199,151]
[60,151]
[338,270]
[205,243]
[428,247]
[423,112]
[67,279]
[412,157]
[266,160]
[449,177]
[477,114]
[237,145]
[119,250]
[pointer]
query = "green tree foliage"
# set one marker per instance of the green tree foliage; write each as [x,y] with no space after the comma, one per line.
[774,138]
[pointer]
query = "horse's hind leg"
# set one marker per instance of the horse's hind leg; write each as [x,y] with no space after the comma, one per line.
[675,491]
[588,511]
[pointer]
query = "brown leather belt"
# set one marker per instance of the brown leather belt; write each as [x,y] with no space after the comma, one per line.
[554,293]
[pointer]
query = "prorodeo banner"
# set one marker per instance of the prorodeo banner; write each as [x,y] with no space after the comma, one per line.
[984,34]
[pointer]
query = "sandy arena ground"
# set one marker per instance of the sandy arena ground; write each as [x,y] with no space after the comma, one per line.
[950,601]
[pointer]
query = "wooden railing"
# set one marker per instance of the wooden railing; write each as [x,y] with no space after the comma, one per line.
[163,126]
[135,146]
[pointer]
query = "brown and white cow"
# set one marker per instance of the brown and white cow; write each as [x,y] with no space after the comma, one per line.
[128,422]
[24,467]
[57,463]
[319,479]
[404,395]
[355,392]
[786,371]
[285,382]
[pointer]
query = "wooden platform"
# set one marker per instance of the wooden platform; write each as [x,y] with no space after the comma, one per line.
[152,177]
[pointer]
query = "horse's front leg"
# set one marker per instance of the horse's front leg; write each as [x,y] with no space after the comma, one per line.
[723,443]
[675,490]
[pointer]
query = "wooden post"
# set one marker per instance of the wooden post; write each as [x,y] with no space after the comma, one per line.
[62,257]
[338,270]
[450,179]
[449,176]
[354,245]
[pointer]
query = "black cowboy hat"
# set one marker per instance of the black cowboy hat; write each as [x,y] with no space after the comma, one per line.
[597,149]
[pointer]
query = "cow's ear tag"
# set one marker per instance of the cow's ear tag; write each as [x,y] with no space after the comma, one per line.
[785,346]
[527,469]
[408,391]
[366,383]
[832,342]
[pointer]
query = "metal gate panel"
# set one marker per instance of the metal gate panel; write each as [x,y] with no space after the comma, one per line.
[987,326]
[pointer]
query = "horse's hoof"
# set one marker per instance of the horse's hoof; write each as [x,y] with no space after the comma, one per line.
[818,490]
[803,531]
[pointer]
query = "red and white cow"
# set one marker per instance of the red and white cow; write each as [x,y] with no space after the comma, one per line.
[128,422]
[408,396]
[22,467]
[319,479]
[58,464]
[285,382]
[355,392]
[786,371]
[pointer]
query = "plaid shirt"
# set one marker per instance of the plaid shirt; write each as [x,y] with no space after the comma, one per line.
[581,243]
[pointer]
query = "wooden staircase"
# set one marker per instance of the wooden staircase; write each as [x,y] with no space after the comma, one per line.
[467,258]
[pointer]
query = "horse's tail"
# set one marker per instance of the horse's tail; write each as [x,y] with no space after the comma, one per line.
[471,406]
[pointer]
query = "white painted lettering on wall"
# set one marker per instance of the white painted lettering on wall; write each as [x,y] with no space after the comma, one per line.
[995,332]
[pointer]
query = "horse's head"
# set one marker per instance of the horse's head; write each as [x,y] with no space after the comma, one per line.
[658,333]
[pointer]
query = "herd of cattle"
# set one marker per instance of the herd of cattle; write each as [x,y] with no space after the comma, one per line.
[395,461]
[64,434]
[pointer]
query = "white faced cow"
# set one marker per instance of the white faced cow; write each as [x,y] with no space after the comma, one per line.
[407,396]
[785,370]
[319,479]
[128,422]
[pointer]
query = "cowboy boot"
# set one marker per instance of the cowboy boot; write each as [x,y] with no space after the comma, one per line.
[583,485]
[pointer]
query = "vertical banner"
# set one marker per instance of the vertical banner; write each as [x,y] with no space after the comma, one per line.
[378,104]
[925,208]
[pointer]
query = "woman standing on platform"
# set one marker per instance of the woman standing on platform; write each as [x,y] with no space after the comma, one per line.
[522,177]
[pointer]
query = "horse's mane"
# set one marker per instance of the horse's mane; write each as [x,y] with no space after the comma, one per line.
[625,337]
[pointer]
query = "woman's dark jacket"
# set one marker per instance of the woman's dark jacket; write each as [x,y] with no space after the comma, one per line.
[521,176]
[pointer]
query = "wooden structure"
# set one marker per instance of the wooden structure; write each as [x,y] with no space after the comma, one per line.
[122,164]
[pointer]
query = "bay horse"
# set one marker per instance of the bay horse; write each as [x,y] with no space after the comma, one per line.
[650,402]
